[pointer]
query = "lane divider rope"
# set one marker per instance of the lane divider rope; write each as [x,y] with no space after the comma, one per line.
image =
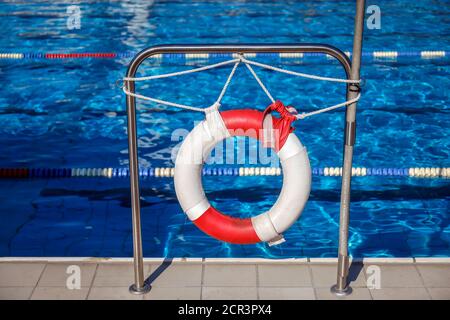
[376,54]
[161,172]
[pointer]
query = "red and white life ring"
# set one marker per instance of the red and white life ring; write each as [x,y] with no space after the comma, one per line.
[196,148]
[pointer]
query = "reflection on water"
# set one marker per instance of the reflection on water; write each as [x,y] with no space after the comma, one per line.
[139,26]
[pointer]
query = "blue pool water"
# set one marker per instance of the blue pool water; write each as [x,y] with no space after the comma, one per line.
[69,113]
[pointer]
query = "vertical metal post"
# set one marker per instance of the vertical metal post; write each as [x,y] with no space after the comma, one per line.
[342,287]
[139,286]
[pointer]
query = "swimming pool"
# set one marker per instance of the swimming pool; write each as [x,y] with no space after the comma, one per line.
[59,112]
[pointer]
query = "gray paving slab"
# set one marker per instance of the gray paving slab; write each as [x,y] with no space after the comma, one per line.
[398,276]
[400,294]
[439,293]
[434,275]
[112,293]
[229,275]
[19,274]
[324,275]
[284,276]
[59,293]
[176,275]
[57,274]
[192,280]
[286,293]
[15,293]
[229,293]
[174,293]
[116,275]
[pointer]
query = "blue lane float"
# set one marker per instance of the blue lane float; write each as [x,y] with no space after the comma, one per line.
[376,54]
[167,172]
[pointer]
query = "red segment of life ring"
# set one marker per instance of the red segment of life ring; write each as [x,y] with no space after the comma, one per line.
[229,229]
[267,226]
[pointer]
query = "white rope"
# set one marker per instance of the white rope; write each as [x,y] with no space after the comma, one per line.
[180,73]
[167,103]
[308,114]
[227,83]
[302,115]
[299,74]
[215,105]
[259,82]
[248,64]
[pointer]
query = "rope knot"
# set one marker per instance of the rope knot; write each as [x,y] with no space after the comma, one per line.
[285,112]
[282,125]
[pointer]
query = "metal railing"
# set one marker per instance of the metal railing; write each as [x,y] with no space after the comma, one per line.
[352,73]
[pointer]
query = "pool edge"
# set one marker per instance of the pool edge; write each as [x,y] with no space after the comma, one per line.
[383,260]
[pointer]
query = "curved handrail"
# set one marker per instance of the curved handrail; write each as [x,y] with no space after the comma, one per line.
[140,286]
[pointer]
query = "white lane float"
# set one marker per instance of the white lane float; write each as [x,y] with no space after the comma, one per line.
[276,133]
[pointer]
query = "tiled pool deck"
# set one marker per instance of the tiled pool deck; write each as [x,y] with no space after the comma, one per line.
[194,279]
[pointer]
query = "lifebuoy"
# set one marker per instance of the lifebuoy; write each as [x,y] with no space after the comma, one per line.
[195,149]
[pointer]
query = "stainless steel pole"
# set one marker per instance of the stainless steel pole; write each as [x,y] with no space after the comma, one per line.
[139,286]
[342,287]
